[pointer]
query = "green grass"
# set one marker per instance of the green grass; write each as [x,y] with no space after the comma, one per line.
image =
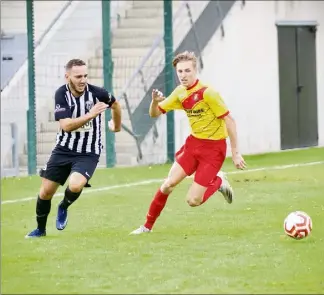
[215,248]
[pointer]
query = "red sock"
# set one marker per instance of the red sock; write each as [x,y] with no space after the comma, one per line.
[212,188]
[155,209]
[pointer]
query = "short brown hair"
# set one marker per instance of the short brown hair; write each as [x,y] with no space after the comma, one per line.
[185,56]
[74,62]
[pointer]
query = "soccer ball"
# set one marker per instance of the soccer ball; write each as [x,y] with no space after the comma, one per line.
[298,225]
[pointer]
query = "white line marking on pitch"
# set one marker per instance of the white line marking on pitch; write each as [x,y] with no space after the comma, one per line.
[150,181]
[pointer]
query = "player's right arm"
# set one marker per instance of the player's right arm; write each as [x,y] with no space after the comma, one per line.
[160,104]
[63,113]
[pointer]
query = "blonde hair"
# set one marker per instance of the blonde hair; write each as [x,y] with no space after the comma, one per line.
[185,56]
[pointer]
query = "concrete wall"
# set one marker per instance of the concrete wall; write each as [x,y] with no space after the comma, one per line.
[243,67]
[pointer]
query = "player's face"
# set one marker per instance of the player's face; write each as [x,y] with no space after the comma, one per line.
[77,78]
[187,73]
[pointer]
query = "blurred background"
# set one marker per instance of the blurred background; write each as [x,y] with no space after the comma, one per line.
[266,58]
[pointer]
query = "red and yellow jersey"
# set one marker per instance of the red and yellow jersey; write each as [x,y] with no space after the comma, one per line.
[205,110]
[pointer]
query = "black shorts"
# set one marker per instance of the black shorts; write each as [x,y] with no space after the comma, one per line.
[63,162]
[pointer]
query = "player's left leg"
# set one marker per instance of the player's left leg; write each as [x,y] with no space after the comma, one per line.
[215,154]
[199,194]
[82,170]
[225,189]
[54,174]
[205,184]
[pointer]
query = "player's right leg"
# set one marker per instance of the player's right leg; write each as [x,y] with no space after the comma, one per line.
[53,175]
[43,207]
[184,166]
[175,176]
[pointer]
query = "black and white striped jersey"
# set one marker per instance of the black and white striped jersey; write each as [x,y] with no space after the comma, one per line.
[86,139]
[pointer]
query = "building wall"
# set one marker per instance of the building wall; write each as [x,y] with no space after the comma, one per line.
[243,67]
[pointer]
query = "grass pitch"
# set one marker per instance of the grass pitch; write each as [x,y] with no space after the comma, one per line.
[216,248]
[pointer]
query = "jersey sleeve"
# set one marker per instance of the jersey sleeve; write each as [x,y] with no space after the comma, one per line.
[104,96]
[216,103]
[62,108]
[172,102]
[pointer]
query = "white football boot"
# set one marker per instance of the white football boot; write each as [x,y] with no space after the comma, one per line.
[225,188]
[142,229]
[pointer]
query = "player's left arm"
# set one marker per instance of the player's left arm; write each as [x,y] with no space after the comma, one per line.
[115,123]
[103,95]
[219,108]
[232,133]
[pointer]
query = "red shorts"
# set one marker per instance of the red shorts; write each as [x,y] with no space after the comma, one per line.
[203,156]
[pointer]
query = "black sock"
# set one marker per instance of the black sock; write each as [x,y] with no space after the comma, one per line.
[43,208]
[69,198]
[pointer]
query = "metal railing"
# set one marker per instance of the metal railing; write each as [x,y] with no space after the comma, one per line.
[201,64]
[146,73]
[53,22]
[9,167]
[41,38]
[220,12]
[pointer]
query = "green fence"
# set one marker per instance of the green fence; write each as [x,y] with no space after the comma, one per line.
[128,46]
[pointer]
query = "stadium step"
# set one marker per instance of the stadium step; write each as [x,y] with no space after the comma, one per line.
[120,83]
[96,71]
[13,16]
[41,160]
[125,52]
[121,77]
[136,33]
[144,12]
[126,146]
[43,147]
[46,137]
[51,126]
[142,23]
[132,42]
[146,4]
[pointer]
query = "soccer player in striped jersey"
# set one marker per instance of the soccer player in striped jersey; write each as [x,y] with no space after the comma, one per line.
[78,109]
[204,151]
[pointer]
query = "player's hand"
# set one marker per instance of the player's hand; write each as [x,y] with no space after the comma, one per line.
[112,126]
[238,161]
[157,95]
[97,109]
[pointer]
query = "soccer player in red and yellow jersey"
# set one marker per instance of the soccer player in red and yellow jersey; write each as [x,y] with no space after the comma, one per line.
[204,151]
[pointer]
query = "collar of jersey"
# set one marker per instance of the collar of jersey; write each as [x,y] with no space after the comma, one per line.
[193,85]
